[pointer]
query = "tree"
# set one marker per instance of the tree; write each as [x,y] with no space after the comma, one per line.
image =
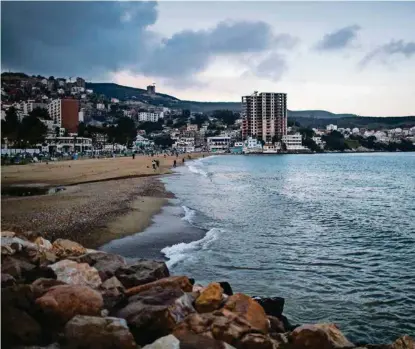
[32,131]
[311,144]
[82,129]
[11,124]
[125,132]
[40,113]
[228,117]
[335,141]
[51,77]
[163,141]
[186,113]
[149,126]
[57,131]
[306,132]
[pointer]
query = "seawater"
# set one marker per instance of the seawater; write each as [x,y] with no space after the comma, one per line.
[334,234]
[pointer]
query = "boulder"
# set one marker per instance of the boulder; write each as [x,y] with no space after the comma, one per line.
[404,342]
[189,341]
[319,336]
[181,282]
[141,272]
[43,244]
[18,327]
[112,292]
[7,280]
[7,234]
[224,325]
[42,285]
[276,325]
[112,283]
[16,267]
[227,289]
[12,245]
[65,301]
[105,263]
[248,309]
[273,306]
[154,313]
[19,296]
[74,273]
[65,248]
[210,298]
[97,332]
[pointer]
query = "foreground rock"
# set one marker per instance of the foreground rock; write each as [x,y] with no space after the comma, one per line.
[210,298]
[154,313]
[74,273]
[61,303]
[190,341]
[142,272]
[181,282]
[319,336]
[96,332]
[66,248]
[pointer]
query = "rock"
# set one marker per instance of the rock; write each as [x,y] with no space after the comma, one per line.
[43,244]
[154,313]
[7,234]
[64,302]
[197,288]
[249,309]
[210,298]
[96,332]
[11,245]
[404,342]
[42,272]
[42,285]
[227,289]
[167,342]
[74,273]
[19,296]
[142,272]
[112,292]
[181,282]
[50,346]
[64,248]
[276,325]
[273,306]
[189,341]
[111,284]
[319,336]
[224,325]
[18,327]
[15,267]
[7,280]
[105,263]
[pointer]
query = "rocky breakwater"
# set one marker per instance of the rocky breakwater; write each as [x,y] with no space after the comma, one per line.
[62,295]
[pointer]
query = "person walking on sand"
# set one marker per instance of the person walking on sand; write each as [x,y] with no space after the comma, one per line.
[183,160]
[174,163]
[157,163]
[153,163]
[133,156]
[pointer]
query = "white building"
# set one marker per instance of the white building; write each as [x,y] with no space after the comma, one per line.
[68,144]
[318,141]
[331,127]
[100,106]
[294,142]
[355,131]
[218,144]
[192,127]
[148,116]
[27,107]
[141,142]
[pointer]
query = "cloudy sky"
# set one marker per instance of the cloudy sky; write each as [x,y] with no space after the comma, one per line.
[355,57]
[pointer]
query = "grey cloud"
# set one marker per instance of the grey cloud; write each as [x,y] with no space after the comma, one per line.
[272,67]
[384,52]
[339,39]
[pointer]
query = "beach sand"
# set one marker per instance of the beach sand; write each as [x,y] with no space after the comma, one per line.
[105,199]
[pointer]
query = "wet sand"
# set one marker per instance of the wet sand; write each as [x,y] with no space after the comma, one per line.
[96,207]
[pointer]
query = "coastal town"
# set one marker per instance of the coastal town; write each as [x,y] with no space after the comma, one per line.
[48,117]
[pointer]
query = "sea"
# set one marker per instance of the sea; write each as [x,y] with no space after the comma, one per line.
[334,234]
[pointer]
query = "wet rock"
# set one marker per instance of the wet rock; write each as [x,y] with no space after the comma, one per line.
[18,327]
[64,302]
[404,342]
[181,282]
[227,289]
[276,325]
[7,280]
[16,267]
[97,332]
[74,273]
[248,309]
[105,263]
[154,313]
[273,306]
[319,336]
[210,298]
[65,248]
[141,272]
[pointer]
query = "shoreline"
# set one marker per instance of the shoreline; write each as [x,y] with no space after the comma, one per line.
[92,212]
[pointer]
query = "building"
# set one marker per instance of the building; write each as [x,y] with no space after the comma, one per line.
[100,106]
[252,145]
[293,142]
[27,107]
[218,144]
[148,116]
[151,89]
[68,144]
[142,142]
[192,127]
[264,116]
[331,127]
[80,82]
[64,113]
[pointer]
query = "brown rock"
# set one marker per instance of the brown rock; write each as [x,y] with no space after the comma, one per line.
[141,272]
[404,342]
[105,263]
[210,298]
[64,302]
[42,285]
[249,309]
[154,313]
[319,336]
[181,282]
[112,292]
[100,333]
[15,267]
[74,273]
[257,341]
[276,325]
[64,248]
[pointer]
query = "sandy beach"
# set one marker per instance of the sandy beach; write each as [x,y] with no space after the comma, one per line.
[105,199]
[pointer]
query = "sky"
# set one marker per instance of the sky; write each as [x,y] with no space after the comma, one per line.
[345,57]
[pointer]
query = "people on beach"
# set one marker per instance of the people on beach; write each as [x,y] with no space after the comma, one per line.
[133,156]
[174,163]
[157,163]
[183,160]
[153,163]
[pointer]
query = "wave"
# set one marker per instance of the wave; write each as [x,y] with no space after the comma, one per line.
[178,252]
[188,214]
[197,170]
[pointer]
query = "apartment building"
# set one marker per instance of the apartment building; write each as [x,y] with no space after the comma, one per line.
[293,142]
[220,144]
[64,113]
[148,116]
[27,107]
[264,116]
